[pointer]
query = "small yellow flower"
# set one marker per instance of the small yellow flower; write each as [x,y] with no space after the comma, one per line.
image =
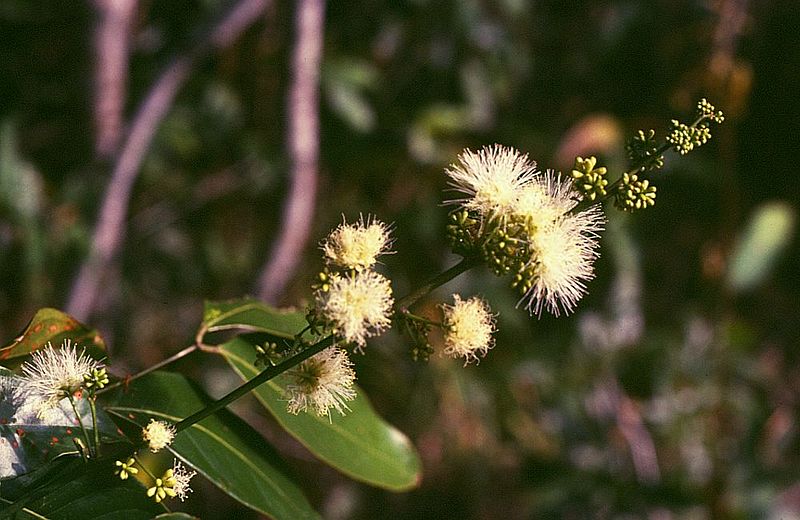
[124,469]
[164,487]
[357,246]
[468,328]
[158,435]
[174,483]
[96,379]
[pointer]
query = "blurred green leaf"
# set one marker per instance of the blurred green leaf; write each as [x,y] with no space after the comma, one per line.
[344,82]
[360,444]
[767,234]
[20,184]
[221,447]
[53,326]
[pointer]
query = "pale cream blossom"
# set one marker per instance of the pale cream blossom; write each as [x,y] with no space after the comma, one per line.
[55,373]
[181,477]
[491,179]
[358,245]
[356,307]
[468,328]
[322,382]
[562,261]
[158,435]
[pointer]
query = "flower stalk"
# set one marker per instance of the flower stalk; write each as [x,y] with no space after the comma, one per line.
[442,278]
[265,375]
[80,423]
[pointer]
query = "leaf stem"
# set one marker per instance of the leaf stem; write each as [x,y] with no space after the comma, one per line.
[413,317]
[265,375]
[93,408]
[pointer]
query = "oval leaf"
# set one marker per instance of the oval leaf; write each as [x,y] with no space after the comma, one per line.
[251,315]
[221,447]
[53,326]
[359,444]
[766,236]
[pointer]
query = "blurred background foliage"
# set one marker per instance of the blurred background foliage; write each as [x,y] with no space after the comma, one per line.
[672,392]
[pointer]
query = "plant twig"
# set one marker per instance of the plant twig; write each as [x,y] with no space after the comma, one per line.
[265,375]
[110,229]
[407,301]
[164,362]
[303,147]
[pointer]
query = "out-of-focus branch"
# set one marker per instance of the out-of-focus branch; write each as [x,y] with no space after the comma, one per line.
[111,38]
[110,228]
[303,147]
[640,443]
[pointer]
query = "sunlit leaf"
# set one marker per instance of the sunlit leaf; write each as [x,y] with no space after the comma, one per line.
[359,444]
[221,447]
[251,315]
[53,326]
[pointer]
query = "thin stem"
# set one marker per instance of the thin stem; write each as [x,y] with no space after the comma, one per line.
[185,352]
[464,265]
[93,408]
[267,374]
[413,317]
[80,423]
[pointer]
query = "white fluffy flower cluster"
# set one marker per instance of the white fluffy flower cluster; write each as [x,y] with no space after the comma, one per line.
[522,221]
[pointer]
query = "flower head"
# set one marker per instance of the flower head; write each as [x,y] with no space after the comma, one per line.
[125,469]
[468,328]
[357,246]
[180,479]
[545,199]
[356,307]
[174,483]
[491,178]
[322,382]
[562,256]
[53,374]
[158,435]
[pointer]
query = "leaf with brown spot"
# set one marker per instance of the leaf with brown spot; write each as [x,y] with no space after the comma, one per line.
[53,326]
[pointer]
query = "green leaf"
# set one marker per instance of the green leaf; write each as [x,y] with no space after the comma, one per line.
[175,516]
[88,491]
[221,447]
[53,326]
[359,444]
[251,315]
[768,233]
